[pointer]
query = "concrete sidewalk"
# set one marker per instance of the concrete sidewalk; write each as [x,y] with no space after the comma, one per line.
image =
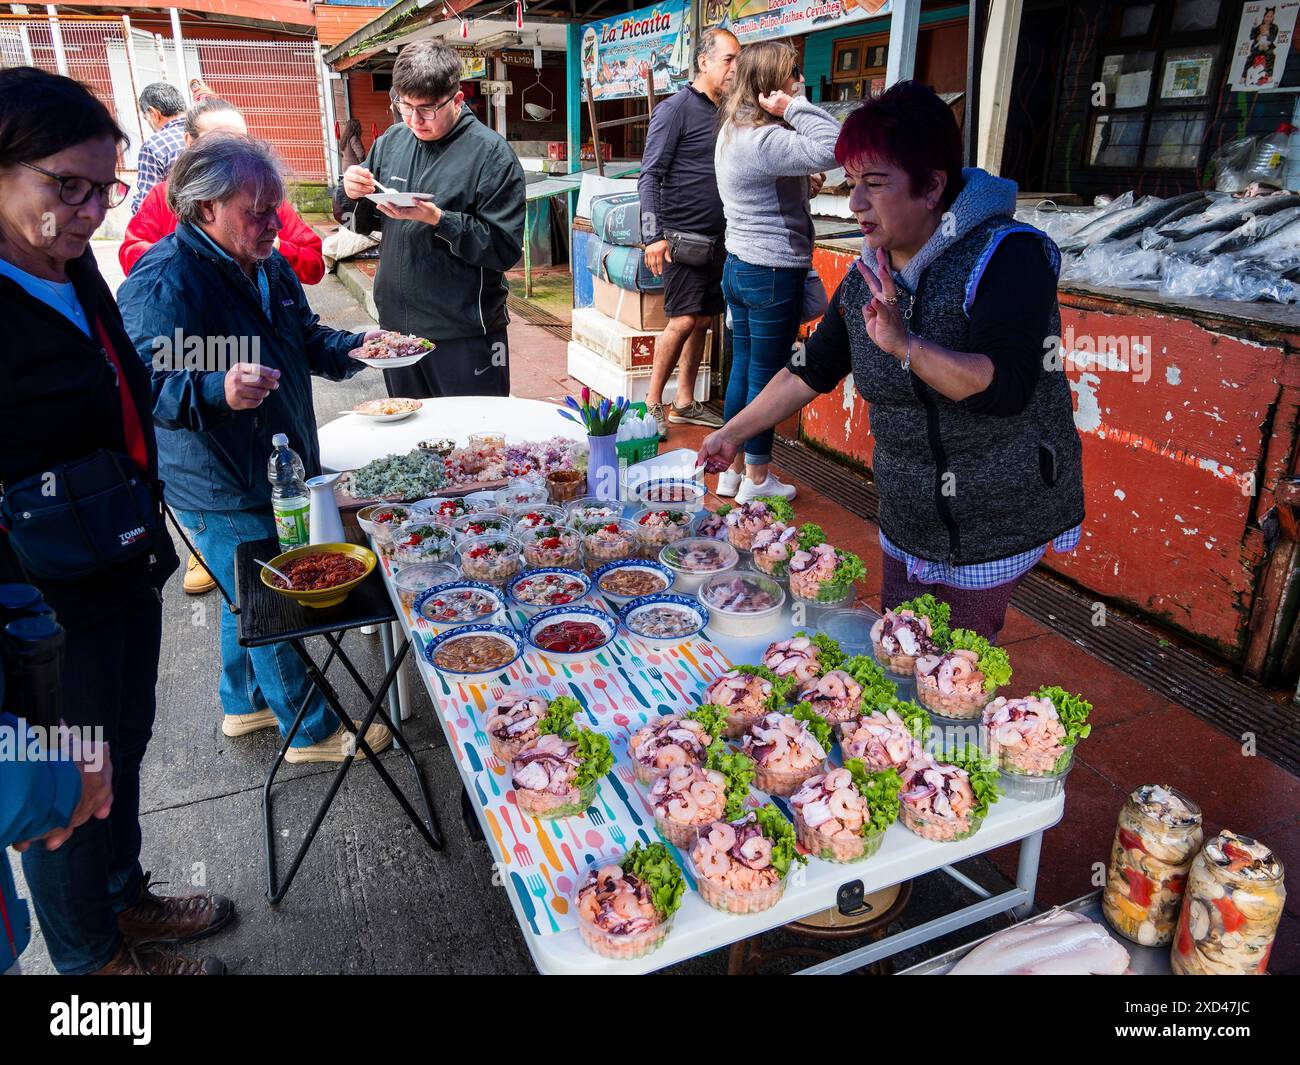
[372,899]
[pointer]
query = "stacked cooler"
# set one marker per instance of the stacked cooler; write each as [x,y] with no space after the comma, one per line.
[614,340]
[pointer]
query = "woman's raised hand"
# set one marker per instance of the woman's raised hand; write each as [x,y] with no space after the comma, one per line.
[885,324]
[775,103]
[716,452]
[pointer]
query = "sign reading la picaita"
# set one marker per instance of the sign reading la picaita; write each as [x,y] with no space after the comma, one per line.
[618,54]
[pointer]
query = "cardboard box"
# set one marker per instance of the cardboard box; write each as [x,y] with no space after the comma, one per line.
[639,310]
[602,376]
[625,347]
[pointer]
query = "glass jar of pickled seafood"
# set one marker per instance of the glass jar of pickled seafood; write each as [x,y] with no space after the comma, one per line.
[1156,838]
[1231,911]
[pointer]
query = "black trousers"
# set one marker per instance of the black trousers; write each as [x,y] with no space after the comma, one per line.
[472,366]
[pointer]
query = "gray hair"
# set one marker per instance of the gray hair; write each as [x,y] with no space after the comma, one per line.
[216,168]
[709,42]
[206,106]
[166,98]
[427,70]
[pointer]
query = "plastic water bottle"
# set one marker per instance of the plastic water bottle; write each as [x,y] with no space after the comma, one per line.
[1270,160]
[289,500]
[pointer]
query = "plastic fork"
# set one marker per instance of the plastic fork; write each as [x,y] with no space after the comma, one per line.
[595,816]
[480,738]
[616,834]
[538,887]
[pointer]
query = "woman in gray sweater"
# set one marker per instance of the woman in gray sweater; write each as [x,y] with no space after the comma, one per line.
[771,140]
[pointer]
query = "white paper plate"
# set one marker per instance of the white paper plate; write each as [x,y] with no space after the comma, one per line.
[399,199]
[382,417]
[395,364]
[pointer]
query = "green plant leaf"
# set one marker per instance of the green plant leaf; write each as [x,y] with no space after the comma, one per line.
[817,725]
[936,610]
[776,828]
[738,769]
[993,661]
[1073,710]
[594,755]
[652,864]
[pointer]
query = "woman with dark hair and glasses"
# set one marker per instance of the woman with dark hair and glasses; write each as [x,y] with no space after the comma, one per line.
[949,325]
[76,408]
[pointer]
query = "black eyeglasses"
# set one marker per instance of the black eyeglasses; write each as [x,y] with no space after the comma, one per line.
[426,112]
[797,76]
[74,191]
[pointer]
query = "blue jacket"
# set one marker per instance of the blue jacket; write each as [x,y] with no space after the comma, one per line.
[35,797]
[191,313]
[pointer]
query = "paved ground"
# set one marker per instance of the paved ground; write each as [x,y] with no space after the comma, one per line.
[372,899]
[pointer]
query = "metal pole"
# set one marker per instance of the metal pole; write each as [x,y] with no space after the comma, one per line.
[327,116]
[179,43]
[28,58]
[904,25]
[573,104]
[56,35]
[974,58]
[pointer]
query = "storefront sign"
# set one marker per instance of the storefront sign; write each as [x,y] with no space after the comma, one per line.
[765,20]
[473,67]
[1264,59]
[617,53]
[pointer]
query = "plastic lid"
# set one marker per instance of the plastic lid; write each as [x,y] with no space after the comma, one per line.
[1286,128]
[280,440]
[29,633]
[18,598]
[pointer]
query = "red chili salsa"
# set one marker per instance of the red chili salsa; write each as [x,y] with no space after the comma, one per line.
[313,573]
[570,637]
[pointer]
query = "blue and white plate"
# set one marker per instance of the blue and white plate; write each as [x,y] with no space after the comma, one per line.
[607,624]
[632,564]
[449,639]
[534,574]
[688,606]
[477,588]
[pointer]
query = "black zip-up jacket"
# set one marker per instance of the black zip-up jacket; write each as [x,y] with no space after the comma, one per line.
[59,402]
[447,282]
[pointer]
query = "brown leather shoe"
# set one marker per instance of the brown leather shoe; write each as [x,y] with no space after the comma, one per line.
[130,961]
[157,919]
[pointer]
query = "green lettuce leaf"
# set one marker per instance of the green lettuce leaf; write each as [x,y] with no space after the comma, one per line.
[917,719]
[779,508]
[724,510]
[1073,710]
[881,791]
[594,754]
[653,865]
[810,536]
[936,610]
[848,568]
[739,771]
[776,828]
[817,725]
[711,716]
[558,719]
[983,774]
[878,691]
[829,653]
[993,663]
[781,686]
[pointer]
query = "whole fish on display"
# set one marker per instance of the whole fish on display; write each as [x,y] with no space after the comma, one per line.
[1247,236]
[1227,214]
[1147,212]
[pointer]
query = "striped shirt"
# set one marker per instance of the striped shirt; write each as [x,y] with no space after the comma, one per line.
[157,154]
[982,574]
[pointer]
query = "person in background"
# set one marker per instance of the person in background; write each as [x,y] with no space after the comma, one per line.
[163,108]
[296,241]
[71,386]
[771,142]
[219,277]
[977,457]
[442,262]
[42,802]
[679,194]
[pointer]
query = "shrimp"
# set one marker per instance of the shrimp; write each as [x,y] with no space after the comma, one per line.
[713,863]
[679,777]
[683,808]
[704,794]
[839,806]
[722,836]
[757,851]
[670,755]
[837,779]
[962,796]
[627,905]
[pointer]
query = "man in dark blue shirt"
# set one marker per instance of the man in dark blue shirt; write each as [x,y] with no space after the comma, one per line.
[679,194]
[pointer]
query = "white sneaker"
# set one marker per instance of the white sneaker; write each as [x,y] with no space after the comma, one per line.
[728,482]
[750,491]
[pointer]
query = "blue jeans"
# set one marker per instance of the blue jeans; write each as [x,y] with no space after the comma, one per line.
[765,304]
[109,674]
[254,678]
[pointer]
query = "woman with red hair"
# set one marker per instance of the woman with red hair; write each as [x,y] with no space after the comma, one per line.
[949,325]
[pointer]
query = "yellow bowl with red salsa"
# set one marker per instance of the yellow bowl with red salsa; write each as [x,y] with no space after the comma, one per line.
[323,574]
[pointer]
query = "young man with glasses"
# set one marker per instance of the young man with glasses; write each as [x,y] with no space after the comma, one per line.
[443,260]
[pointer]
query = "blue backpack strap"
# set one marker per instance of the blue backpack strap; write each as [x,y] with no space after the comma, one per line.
[1050,249]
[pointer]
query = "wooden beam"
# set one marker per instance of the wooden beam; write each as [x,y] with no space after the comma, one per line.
[995,81]
[904,25]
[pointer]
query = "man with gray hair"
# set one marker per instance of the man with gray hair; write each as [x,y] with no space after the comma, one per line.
[443,259]
[679,196]
[163,108]
[222,323]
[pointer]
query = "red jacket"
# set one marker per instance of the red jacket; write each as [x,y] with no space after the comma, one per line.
[298,241]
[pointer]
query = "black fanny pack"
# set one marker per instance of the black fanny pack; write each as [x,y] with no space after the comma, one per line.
[92,515]
[690,249]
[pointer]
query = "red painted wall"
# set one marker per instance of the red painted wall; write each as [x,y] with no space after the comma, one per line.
[1171,454]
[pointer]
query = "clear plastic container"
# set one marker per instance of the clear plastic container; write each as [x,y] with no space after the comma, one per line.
[784,782]
[422,540]
[410,581]
[1034,787]
[520,494]
[653,537]
[948,707]
[593,508]
[618,947]
[527,520]
[442,509]
[1235,897]
[811,613]
[851,629]
[833,849]
[732,901]
[609,541]
[1157,835]
[677,833]
[366,517]
[490,559]
[729,618]
[939,829]
[695,559]
[547,806]
[481,523]
[552,547]
[481,502]
[488,438]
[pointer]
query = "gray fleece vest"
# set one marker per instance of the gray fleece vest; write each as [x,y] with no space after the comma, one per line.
[955,486]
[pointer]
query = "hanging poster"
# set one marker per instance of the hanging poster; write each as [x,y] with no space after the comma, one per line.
[1265,34]
[616,53]
[765,20]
